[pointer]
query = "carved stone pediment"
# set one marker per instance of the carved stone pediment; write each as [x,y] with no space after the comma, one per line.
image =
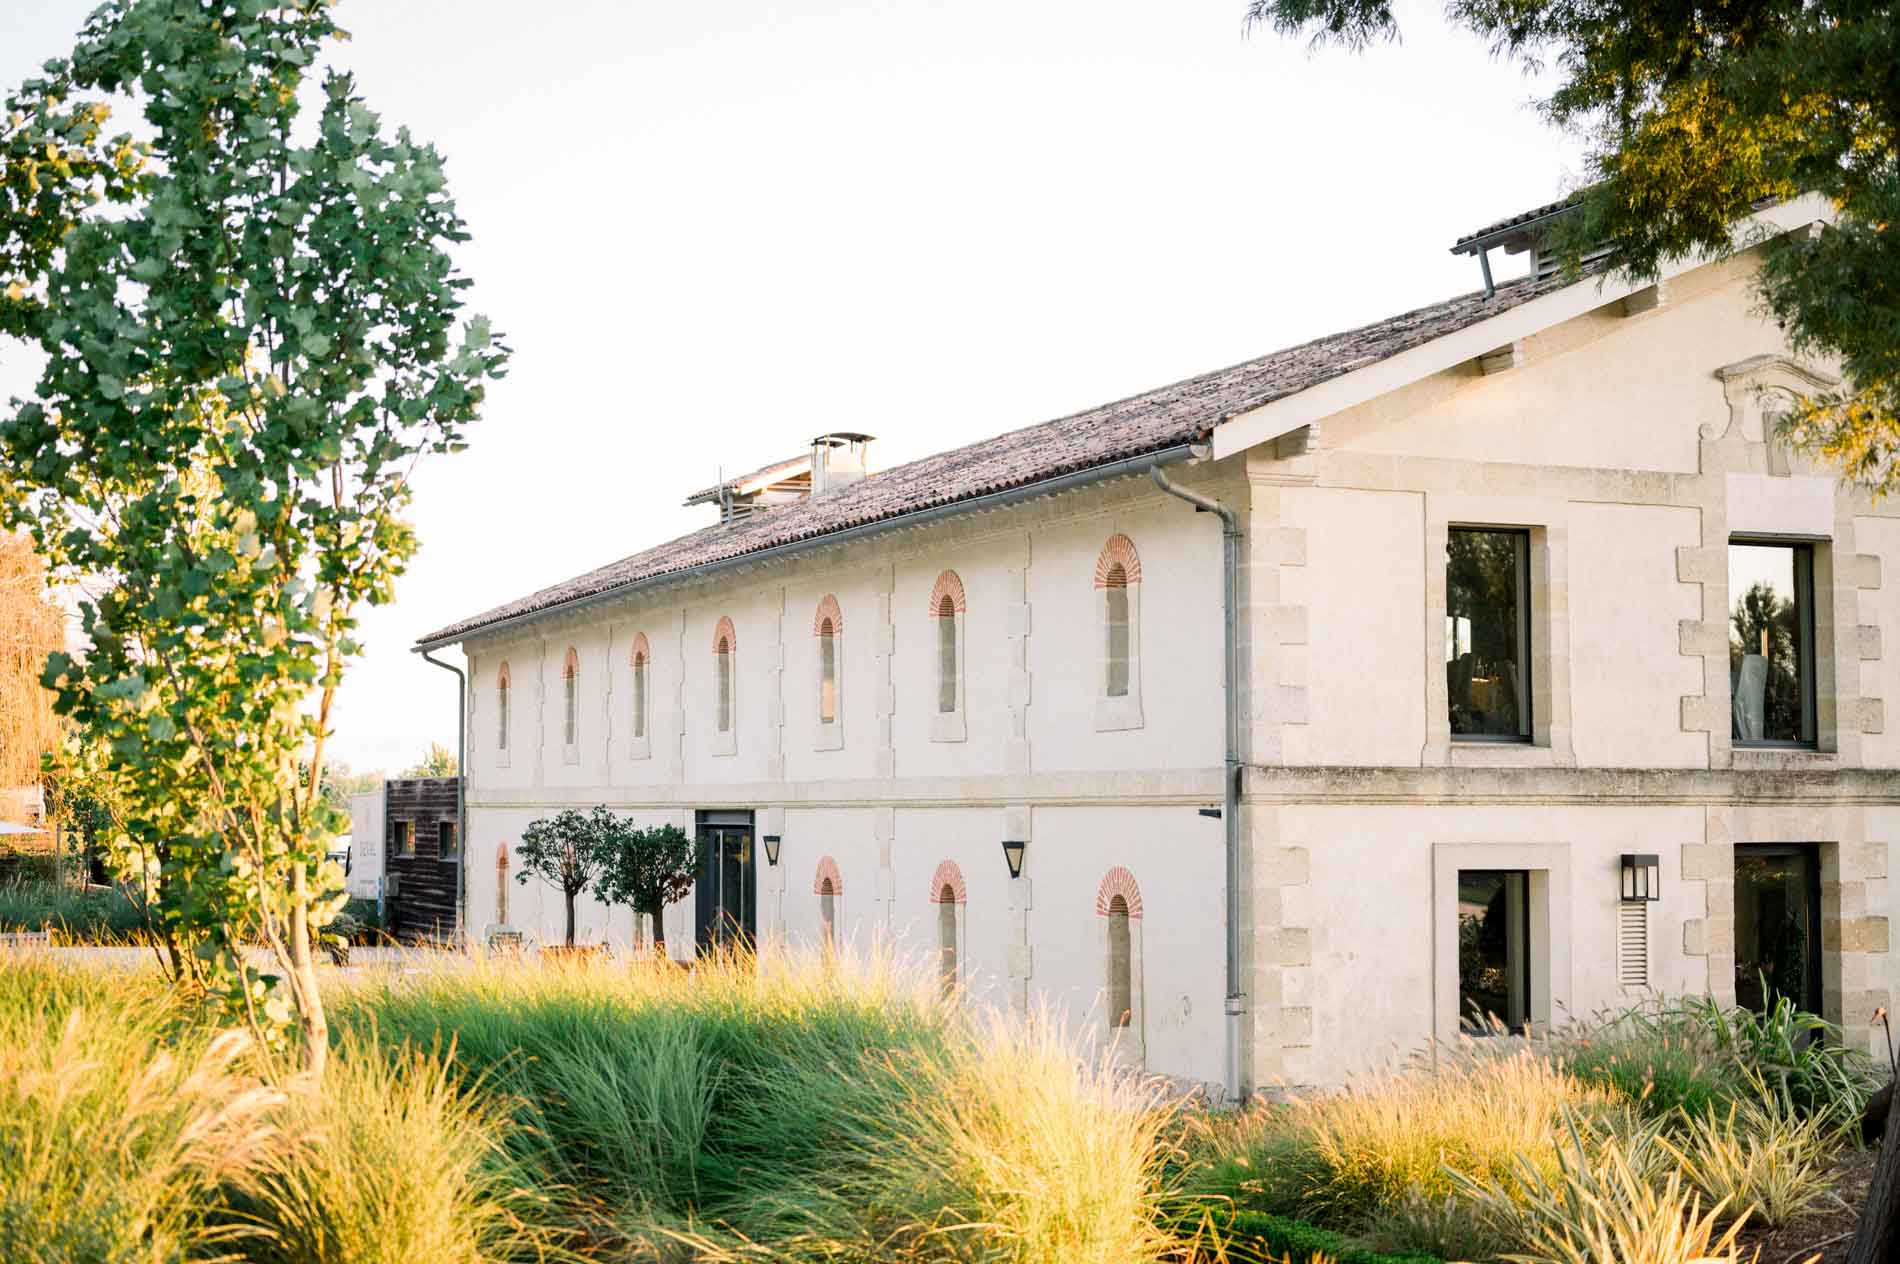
[1753,387]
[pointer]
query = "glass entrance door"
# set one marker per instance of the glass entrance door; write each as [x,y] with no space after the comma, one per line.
[1494,951]
[726,893]
[1777,926]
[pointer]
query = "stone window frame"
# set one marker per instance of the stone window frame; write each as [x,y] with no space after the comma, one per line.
[725,646]
[1118,556]
[1548,524]
[948,876]
[504,714]
[571,706]
[1552,926]
[828,736]
[1822,699]
[1127,1045]
[948,593]
[640,694]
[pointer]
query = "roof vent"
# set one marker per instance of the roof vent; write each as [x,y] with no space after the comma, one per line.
[838,460]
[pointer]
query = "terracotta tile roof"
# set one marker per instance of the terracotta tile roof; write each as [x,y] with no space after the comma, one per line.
[1185,412]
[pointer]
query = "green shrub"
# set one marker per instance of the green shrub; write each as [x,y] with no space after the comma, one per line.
[1759,1157]
[1613,1199]
[1257,1237]
[75,914]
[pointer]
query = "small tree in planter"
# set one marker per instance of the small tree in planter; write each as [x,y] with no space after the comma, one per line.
[646,868]
[564,851]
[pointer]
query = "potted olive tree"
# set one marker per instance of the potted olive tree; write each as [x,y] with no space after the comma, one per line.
[647,869]
[564,851]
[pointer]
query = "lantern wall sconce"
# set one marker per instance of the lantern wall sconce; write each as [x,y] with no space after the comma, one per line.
[1642,878]
[1013,856]
[771,842]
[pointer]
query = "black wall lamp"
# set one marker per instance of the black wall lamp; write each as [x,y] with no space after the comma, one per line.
[1013,856]
[771,842]
[1642,878]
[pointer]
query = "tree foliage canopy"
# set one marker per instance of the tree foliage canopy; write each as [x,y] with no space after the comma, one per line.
[252,331]
[646,869]
[1695,113]
[564,851]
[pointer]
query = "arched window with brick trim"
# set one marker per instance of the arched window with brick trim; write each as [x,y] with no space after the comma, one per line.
[1118,905]
[1118,606]
[571,700]
[827,627]
[947,892]
[947,610]
[725,687]
[503,691]
[828,885]
[640,661]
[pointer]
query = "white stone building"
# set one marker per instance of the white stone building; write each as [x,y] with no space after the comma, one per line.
[1487,559]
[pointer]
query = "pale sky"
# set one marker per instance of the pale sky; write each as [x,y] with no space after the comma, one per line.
[713,230]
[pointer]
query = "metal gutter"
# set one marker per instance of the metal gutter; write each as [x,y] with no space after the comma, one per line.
[461,792]
[919,517]
[1230,773]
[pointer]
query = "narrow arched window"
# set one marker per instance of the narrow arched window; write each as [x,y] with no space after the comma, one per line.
[571,698]
[639,695]
[722,667]
[1121,991]
[1115,595]
[827,672]
[946,655]
[502,690]
[827,915]
[947,936]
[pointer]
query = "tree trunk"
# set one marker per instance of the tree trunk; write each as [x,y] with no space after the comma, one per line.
[659,935]
[310,1016]
[1874,1240]
[570,918]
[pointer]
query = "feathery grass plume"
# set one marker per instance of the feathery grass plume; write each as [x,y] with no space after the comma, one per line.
[386,1162]
[112,1147]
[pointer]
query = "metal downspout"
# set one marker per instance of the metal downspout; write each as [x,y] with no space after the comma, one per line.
[461,792]
[1230,780]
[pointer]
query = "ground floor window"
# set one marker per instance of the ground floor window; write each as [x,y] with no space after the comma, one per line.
[1494,950]
[1777,926]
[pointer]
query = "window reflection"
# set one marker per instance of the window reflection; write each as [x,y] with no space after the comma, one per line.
[1769,639]
[1487,633]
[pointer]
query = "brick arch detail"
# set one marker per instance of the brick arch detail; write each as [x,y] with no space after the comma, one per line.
[1119,549]
[1118,881]
[948,875]
[827,868]
[948,585]
[501,676]
[723,630]
[827,609]
[571,664]
[639,649]
[501,857]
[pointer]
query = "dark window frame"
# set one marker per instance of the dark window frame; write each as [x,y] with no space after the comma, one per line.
[1526,669]
[447,829]
[1522,949]
[1806,645]
[1815,982]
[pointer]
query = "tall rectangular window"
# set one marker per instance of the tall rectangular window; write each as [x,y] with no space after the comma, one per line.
[1488,634]
[946,658]
[446,845]
[1771,642]
[722,662]
[827,674]
[1494,950]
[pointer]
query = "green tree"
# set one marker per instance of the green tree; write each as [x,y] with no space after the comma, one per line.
[437,761]
[252,332]
[1692,114]
[646,869]
[564,851]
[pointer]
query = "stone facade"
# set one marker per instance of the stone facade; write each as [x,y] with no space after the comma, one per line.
[1628,439]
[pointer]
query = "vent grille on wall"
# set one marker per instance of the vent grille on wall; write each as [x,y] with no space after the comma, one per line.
[1632,943]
